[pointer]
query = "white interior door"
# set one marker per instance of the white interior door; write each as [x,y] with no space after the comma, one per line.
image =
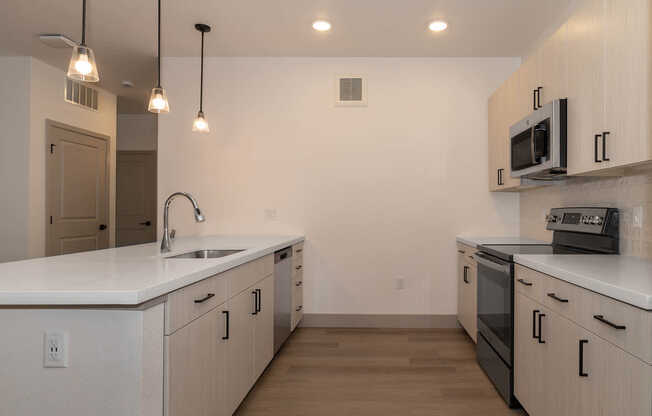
[77,190]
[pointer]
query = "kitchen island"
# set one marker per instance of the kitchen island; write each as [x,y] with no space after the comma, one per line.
[140,333]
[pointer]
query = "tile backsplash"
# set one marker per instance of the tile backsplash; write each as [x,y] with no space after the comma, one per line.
[628,193]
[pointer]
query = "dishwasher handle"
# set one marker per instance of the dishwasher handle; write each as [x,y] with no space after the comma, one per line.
[282,255]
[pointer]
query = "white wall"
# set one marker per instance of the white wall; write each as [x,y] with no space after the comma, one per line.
[44,98]
[380,192]
[14,152]
[137,131]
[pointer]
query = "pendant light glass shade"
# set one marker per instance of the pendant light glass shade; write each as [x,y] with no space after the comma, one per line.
[200,125]
[82,65]
[158,101]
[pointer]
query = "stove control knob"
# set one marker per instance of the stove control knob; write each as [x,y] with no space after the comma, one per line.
[598,220]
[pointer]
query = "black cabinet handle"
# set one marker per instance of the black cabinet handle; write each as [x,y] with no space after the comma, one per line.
[611,324]
[534,99]
[299,267]
[461,251]
[466,275]
[102,227]
[299,250]
[298,308]
[604,145]
[255,293]
[500,177]
[298,284]
[539,96]
[541,341]
[146,223]
[557,298]
[595,147]
[523,282]
[259,297]
[283,256]
[582,342]
[226,324]
[205,298]
[534,324]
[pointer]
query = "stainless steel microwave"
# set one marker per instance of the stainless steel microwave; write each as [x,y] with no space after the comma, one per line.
[538,143]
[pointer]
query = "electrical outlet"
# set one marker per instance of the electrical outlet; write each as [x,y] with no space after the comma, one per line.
[55,349]
[637,217]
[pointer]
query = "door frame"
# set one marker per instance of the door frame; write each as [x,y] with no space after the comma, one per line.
[49,178]
[138,152]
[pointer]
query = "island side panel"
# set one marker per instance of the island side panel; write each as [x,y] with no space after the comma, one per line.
[112,368]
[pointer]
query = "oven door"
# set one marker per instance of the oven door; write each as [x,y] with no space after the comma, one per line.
[495,303]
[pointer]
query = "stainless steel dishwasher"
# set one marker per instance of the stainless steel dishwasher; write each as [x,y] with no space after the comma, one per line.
[283,296]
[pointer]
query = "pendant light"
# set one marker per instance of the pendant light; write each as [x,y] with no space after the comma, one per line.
[200,124]
[158,100]
[82,65]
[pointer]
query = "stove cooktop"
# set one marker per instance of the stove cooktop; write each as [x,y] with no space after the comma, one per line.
[506,251]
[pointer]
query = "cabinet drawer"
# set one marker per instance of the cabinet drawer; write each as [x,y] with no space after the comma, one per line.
[297,249]
[297,295]
[298,278]
[191,302]
[627,327]
[466,251]
[529,282]
[248,274]
[568,300]
[297,315]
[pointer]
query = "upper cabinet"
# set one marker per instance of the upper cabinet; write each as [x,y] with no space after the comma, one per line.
[600,60]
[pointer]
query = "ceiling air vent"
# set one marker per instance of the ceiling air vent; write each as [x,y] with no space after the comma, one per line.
[351,91]
[78,93]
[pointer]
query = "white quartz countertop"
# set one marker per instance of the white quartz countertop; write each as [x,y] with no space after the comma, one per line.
[627,279]
[475,241]
[126,275]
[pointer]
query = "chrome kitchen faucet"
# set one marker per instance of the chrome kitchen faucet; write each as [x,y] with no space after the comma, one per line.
[165,243]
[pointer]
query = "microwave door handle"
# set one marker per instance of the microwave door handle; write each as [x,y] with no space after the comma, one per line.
[532,146]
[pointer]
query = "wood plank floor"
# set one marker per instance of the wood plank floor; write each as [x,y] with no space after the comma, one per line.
[375,372]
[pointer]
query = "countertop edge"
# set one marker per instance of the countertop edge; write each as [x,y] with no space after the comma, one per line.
[618,293]
[133,298]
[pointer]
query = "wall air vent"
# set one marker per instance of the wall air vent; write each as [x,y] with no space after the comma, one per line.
[350,91]
[80,94]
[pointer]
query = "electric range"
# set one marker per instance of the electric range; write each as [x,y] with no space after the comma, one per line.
[587,230]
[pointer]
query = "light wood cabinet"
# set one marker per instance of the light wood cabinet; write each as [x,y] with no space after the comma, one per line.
[297,286]
[502,109]
[563,368]
[263,327]
[467,291]
[196,376]
[240,365]
[600,60]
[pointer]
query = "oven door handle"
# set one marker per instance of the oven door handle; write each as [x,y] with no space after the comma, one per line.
[484,260]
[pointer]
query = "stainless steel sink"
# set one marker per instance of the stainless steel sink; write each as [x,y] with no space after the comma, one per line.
[205,254]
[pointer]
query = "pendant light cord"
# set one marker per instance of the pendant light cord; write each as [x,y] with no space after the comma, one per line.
[159,44]
[83,39]
[201,77]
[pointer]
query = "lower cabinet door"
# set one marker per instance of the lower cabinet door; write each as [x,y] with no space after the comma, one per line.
[239,366]
[196,373]
[264,327]
[530,354]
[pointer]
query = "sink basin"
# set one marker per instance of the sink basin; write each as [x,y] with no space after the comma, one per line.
[205,254]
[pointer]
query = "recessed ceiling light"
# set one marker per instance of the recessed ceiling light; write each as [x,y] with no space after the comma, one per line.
[321,26]
[127,84]
[438,26]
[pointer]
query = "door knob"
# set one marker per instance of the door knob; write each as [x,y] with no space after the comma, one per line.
[102,227]
[146,223]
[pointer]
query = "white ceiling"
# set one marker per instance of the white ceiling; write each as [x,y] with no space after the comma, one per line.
[123,32]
